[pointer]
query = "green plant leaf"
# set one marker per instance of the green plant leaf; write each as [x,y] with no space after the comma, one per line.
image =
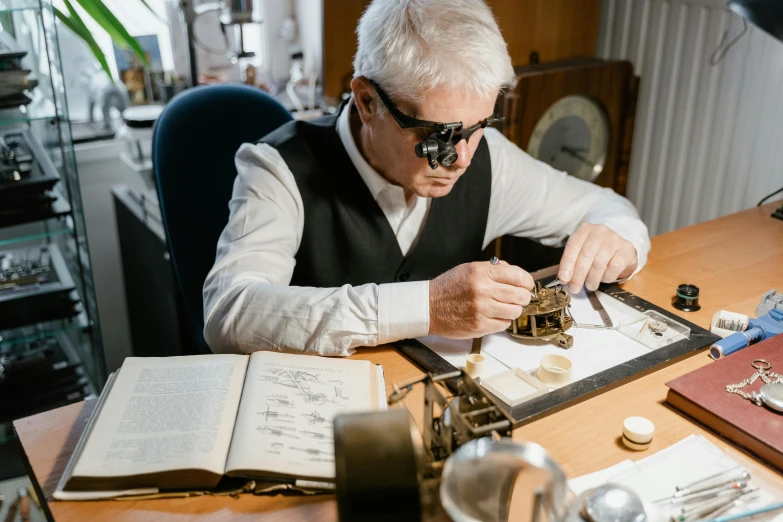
[76,25]
[106,19]
[153,11]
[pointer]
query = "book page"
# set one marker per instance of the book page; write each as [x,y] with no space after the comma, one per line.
[166,413]
[284,425]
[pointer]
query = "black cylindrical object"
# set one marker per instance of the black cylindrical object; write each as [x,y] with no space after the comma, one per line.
[687,298]
[377,465]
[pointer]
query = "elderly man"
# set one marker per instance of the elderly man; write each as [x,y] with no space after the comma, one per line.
[364,227]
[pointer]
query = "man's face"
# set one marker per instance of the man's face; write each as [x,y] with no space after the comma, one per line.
[392,148]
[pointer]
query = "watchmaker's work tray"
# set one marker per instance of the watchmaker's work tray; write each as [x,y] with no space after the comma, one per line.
[602,358]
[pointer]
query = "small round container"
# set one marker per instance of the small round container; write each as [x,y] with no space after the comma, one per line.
[554,370]
[638,433]
[474,364]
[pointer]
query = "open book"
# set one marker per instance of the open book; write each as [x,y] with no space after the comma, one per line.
[183,423]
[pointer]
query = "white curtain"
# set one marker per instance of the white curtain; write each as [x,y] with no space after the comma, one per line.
[708,140]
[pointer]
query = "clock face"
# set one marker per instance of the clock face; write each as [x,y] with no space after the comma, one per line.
[572,136]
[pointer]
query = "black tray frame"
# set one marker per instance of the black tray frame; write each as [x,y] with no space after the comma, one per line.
[584,389]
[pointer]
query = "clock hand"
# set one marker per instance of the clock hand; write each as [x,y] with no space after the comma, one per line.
[573,153]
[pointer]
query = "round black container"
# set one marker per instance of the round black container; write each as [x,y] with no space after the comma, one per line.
[687,298]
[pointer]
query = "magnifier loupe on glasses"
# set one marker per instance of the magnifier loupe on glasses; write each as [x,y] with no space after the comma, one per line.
[439,148]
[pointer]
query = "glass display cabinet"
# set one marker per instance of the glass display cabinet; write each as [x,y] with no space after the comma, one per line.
[50,346]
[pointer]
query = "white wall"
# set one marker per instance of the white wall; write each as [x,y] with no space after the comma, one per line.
[706,139]
[310,18]
[276,50]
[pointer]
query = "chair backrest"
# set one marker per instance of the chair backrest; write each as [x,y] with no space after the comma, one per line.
[193,147]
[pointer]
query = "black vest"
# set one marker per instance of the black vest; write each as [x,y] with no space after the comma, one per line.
[347,238]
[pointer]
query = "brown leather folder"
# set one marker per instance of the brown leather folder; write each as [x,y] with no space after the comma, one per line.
[701,395]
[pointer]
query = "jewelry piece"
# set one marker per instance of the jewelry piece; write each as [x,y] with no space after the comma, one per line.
[770,395]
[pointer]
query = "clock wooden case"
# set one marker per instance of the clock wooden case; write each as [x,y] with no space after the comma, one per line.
[588,101]
[608,88]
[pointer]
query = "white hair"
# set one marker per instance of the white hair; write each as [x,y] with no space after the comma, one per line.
[410,46]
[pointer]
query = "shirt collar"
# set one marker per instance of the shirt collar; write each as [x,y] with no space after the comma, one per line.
[374,181]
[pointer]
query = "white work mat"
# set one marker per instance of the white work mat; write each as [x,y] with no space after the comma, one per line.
[593,351]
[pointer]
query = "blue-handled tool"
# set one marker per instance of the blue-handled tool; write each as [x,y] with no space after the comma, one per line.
[759,329]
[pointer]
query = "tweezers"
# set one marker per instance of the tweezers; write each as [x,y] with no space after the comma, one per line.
[599,307]
[556,282]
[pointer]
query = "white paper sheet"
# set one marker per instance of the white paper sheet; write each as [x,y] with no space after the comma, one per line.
[593,352]
[655,477]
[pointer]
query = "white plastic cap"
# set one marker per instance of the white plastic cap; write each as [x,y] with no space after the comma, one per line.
[638,430]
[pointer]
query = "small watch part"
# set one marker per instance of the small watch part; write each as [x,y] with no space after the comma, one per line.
[657,327]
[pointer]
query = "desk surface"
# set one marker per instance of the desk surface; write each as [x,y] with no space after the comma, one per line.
[733,260]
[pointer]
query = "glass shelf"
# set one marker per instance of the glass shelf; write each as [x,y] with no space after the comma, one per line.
[43,330]
[9,6]
[34,237]
[58,208]
[32,24]
[41,108]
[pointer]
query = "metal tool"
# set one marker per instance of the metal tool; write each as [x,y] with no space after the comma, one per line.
[599,307]
[758,330]
[705,479]
[718,491]
[475,347]
[556,282]
[750,513]
[709,508]
[704,509]
[494,261]
[705,485]
[752,495]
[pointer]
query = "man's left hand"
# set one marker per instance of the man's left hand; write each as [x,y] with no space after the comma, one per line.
[595,254]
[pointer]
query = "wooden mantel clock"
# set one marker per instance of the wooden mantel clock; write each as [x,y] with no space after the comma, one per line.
[576,115]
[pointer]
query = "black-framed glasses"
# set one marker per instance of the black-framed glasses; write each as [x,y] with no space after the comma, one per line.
[408,122]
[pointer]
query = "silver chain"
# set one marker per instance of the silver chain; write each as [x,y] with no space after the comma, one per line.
[762,370]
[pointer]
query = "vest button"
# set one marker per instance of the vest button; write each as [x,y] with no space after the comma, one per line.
[404,276]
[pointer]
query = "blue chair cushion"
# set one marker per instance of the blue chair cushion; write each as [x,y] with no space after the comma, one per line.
[193,147]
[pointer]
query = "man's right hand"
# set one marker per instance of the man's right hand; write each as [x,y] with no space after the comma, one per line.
[476,299]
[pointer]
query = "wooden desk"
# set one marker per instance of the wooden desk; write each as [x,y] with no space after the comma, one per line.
[733,260]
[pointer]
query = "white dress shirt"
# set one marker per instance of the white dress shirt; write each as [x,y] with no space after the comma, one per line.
[249,305]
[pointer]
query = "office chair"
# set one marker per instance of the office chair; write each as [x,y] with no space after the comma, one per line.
[193,147]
